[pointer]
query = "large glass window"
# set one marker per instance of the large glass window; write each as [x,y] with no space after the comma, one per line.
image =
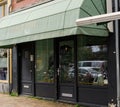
[44,61]
[92,60]
[3,64]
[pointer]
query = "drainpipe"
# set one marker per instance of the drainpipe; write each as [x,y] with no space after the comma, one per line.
[116,3]
[10,71]
[8,62]
[9,2]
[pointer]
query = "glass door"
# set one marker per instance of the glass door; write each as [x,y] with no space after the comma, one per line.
[66,71]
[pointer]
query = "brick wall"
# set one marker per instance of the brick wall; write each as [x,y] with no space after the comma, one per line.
[24,3]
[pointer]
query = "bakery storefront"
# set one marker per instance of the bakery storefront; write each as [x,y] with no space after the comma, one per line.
[54,58]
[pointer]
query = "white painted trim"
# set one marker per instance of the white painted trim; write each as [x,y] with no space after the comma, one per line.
[109,10]
[98,18]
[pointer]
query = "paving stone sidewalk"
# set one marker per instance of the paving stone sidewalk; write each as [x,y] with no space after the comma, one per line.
[24,101]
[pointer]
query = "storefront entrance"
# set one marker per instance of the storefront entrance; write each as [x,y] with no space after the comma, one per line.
[69,69]
[66,70]
[79,67]
[27,69]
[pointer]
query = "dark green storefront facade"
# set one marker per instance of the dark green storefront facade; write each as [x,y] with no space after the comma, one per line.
[56,59]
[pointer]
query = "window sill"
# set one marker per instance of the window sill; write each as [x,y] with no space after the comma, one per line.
[3,81]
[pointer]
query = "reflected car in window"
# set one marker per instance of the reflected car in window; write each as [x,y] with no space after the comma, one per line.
[84,72]
[95,64]
[87,74]
[87,70]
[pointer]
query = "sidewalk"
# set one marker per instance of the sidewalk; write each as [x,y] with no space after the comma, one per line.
[22,101]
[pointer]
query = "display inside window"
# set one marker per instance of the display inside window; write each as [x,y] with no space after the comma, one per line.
[44,61]
[3,64]
[66,60]
[92,60]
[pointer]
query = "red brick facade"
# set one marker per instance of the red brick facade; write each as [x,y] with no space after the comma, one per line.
[24,3]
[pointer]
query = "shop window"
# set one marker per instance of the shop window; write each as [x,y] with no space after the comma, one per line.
[44,61]
[92,60]
[3,52]
[3,64]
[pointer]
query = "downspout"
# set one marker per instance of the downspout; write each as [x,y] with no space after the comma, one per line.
[116,3]
[9,2]
[10,71]
[8,66]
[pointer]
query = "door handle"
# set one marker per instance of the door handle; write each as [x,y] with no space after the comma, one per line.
[58,71]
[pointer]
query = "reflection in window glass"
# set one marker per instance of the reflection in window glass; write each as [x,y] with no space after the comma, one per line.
[44,61]
[66,61]
[3,64]
[92,60]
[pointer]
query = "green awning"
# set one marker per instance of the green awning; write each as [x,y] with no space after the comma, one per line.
[54,19]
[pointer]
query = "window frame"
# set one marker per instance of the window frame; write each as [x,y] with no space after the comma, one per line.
[4,11]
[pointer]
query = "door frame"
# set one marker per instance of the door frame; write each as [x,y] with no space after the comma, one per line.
[20,47]
[75,85]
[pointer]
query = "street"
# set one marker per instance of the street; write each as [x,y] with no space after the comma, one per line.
[24,101]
